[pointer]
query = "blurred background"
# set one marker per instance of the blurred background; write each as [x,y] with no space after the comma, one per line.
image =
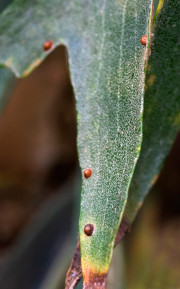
[40,184]
[39,173]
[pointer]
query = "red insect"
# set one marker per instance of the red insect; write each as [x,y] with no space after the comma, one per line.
[144,40]
[87,173]
[47,45]
[89,229]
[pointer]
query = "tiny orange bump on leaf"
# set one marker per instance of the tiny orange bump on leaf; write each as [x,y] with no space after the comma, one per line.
[144,40]
[47,45]
[87,173]
[89,229]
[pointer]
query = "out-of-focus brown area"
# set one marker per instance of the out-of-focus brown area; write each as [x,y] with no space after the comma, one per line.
[168,186]
[153,247]
[37,143]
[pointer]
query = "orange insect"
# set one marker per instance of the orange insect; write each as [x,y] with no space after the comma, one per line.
[87,173]
[144,40]
[47,45]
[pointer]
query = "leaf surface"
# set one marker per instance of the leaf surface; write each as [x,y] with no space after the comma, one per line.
[161,120]
[107,65]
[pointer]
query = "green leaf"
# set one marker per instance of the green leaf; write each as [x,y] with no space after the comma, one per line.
[161,120]
[111,139]
[107,64]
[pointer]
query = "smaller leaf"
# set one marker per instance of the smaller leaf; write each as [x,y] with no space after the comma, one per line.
[161,121]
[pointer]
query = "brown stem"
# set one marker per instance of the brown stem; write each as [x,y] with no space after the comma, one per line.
[124,228]
[74,274]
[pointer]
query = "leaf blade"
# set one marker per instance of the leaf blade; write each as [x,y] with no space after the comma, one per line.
[100,194]
[162,106]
